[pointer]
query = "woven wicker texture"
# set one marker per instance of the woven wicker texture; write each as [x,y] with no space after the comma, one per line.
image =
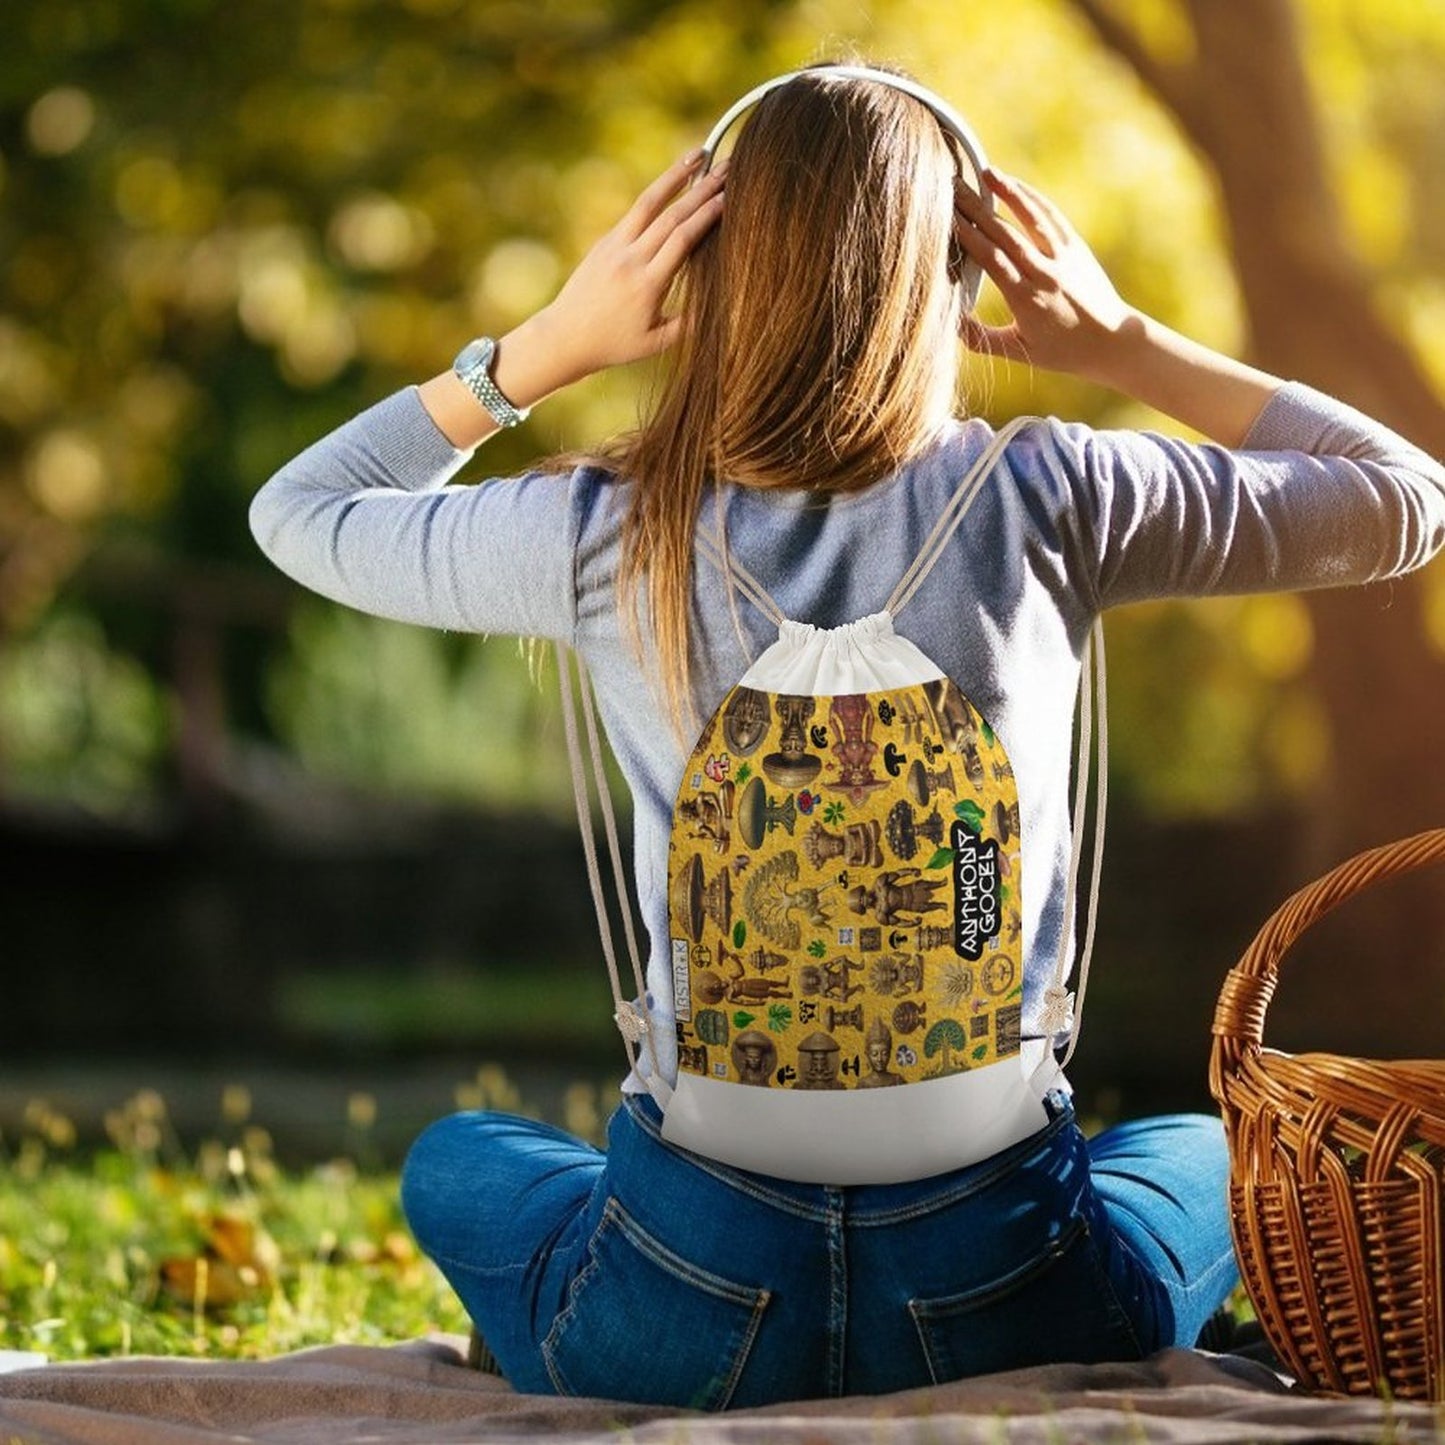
[1336,1168]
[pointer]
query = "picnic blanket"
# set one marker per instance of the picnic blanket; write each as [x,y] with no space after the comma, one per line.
[423,1391]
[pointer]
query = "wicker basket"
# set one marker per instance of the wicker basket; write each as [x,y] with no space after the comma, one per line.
[1336,1173]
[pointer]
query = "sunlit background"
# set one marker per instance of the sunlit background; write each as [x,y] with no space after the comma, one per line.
[239,822]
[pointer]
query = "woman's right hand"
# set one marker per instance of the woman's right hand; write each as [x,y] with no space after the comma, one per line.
[610,310]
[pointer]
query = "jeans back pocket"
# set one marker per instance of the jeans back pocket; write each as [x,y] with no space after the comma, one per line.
[1057,1306]
[642,1323]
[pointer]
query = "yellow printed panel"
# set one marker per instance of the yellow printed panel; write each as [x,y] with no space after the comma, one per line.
[844,891]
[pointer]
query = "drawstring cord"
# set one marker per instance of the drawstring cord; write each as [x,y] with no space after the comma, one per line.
[634,1020]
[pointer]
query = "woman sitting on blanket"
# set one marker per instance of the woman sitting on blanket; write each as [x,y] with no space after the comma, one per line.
[803,451]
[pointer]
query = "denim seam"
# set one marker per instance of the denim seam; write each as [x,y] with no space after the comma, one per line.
[837,1294]
[1204,1280]
[549,1342]
[755,1300]
[447,1263]
[745,1349]
[1116,1304]
[761,1193]
[965,1301]
[923,1343]
[1000,1164]
[674,1264]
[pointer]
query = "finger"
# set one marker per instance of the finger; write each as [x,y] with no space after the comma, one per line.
[1032,219]
[1003,342]
[687,232]
[994,258]
[697,197]
[653,200]
[973,215]
[1044,219]
[976,209]
[1046,206]
[721,168]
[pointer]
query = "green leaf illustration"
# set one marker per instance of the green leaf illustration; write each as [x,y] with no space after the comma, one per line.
[980,1051]
[971,814]
[817,948]
[744,772]
[988,734]
[779,1017]
[941,859]
[740,933]
[741,1019]
[834,813]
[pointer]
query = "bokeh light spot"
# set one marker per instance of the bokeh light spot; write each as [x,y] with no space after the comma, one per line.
[374,232]
[60,121]
[1277,635]
[517,277]
[149,192]
[66,475]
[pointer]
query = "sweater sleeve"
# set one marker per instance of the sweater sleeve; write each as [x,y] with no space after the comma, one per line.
[367,517]
[1319,496]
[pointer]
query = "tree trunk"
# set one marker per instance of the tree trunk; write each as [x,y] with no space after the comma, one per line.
[1245,103]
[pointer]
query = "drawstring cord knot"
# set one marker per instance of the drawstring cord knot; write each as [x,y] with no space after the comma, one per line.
[1057,1016]
[632,1025]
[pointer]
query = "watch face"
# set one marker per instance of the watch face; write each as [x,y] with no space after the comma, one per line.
[473,353]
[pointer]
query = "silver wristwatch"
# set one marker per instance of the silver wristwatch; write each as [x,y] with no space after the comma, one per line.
[474,368]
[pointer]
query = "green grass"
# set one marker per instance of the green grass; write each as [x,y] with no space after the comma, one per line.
[215,1250]
[149,1247]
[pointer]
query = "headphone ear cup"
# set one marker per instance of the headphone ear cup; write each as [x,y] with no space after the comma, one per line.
[970,282]
[969,274]
[957,257]
[965,273]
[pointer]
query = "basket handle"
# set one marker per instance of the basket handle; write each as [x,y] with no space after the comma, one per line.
[1249,985]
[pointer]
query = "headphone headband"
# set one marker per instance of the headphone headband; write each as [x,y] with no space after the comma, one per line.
[945,114]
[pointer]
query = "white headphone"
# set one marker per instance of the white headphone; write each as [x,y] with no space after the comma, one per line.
[971,278]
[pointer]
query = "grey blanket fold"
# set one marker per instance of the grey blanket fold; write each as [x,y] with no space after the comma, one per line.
[422,1392]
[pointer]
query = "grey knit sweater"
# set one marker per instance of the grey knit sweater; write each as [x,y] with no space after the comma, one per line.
[1073,521]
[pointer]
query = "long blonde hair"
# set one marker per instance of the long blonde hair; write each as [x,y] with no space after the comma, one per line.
[820,340]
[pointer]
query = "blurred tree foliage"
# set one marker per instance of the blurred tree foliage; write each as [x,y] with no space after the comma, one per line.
[225,228]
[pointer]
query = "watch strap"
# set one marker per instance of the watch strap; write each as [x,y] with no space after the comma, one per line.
[474,368]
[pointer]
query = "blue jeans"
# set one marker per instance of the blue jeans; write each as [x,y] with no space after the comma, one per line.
[651,1274]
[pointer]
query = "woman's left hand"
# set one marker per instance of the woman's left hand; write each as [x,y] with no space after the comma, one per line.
[1067,316]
